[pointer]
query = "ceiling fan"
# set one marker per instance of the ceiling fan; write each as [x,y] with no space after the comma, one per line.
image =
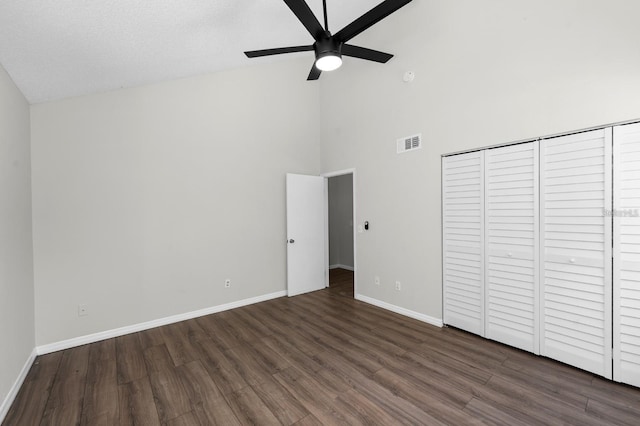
[328,47]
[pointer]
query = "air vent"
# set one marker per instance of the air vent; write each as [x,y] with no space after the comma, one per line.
[410,143]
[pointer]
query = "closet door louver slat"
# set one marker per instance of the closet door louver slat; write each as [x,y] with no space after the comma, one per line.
[511,233]
[575,176]
[463,241]
[626,263]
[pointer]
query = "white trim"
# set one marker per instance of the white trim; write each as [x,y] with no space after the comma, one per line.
[325,213]
[13,392]
[341,266]
[339,173]
[402,311]
[552,136]
[108,334]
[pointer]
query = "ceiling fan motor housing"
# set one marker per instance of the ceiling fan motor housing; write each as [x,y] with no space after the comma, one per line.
[327,46]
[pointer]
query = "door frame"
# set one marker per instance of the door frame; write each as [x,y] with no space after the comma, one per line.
[352,172]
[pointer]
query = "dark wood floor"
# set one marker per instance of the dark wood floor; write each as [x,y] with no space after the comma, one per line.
[319,358]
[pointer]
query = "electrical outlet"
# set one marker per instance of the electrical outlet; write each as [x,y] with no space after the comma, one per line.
[227,283]
[83,310]
[377,280]
[398,285]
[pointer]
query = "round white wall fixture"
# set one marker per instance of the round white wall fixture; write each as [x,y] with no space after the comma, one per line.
[408,76]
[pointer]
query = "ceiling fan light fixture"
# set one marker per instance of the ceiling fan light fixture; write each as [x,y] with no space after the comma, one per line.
[329,61]
[328,47]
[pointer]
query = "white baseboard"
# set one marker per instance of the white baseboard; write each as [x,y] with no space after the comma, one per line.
[13,392]
[398,310]
[108,334]
[338,265]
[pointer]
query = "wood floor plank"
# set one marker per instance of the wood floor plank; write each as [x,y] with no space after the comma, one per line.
[100,407]
[197,383]
[280,402]
[537,405]
[136,404]
[309,420]
[564,390]
[219,331]
[215,411]
[230,322]
[250,409]
[151,337]
[29,405]
[64,405]
[439,360]
[402,410]
[292,354]
[44,368]
[248,321]
[129,358]
[181,340]
[313,397]
[243,361]
[429,399]
[366,411]
[614,415]
[318,358]
[101,390]
[342,345]
[228,380]
[67,413]
[492,414]
[32,398]
[289,334]
[612,393]
[158,359]
[360,333]
[171,399]
[188,419]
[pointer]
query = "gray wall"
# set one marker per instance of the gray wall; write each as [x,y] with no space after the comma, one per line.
[16,258]
[147,199]
[487,72]
[341,221]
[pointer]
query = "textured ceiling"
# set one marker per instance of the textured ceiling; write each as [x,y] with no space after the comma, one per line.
[64,48]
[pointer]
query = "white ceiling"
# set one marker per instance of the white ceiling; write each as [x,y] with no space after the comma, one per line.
[64,48]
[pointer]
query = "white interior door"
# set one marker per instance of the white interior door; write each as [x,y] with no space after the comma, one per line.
[626,271]
[306,196]
[463,241]
[576,293]
[511,234]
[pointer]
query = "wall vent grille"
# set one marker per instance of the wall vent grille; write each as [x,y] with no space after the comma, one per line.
[410,143]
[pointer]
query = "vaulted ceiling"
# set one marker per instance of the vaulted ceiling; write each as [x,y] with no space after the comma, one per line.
[64,48]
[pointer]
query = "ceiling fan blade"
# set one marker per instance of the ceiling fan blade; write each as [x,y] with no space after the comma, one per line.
[314,74]
[301,9]
[364,53]
[277,51]
[370,18]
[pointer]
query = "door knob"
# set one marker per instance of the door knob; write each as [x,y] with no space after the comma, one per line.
[291,241]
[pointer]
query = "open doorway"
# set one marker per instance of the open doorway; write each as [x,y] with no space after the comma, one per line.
[341,247]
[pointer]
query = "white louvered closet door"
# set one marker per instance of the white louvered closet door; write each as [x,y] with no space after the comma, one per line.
[576,292]
[626,258]
[511,249]
[463,242]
